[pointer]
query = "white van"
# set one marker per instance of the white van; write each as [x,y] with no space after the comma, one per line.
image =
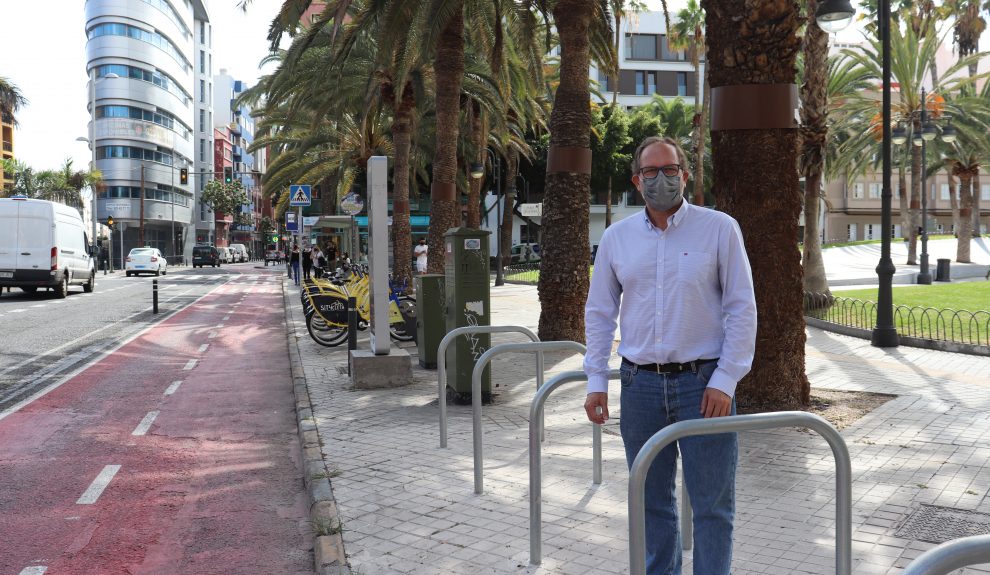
[43,244]
[238,252]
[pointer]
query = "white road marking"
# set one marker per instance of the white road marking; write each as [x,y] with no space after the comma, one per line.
[226,317]
[212,334]
[190,364]
[145,424]
[99,484]
[17,310]
[204,347]
[35,570]
[219,326]
[173,387]
[39,305]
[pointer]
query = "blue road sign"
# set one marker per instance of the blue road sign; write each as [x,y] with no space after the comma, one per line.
[290,222]
[300,195]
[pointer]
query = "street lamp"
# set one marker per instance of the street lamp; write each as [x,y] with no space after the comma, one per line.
[477,171]
[927,133]
[92,137]
[830,15]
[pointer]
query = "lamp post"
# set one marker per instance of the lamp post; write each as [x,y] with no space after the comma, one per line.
[92,137]
[832,16]
[477,171]
[529,233]
[920,138]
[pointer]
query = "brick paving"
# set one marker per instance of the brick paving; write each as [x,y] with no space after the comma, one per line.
[408,507]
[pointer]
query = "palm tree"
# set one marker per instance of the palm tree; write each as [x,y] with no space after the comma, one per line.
[688,33]
[756,181]
[11,100]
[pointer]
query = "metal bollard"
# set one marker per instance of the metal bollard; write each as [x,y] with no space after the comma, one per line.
[352,321]
[154,296]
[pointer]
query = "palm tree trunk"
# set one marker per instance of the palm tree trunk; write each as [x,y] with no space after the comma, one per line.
[509,195]
[953,200]
[401,229]
[474,185]
[756,181]
[449,71]
[699,150]
[563,286]
[965,228]
[977,195]
[902,201]
[608,204]
[814,130]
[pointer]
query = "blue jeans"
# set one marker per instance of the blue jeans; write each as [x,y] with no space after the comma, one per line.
[651,401]
[295,272]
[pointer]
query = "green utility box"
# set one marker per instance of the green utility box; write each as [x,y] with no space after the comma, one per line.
[468,304]
[431,317]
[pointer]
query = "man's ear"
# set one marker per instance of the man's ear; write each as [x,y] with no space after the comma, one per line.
[635,180]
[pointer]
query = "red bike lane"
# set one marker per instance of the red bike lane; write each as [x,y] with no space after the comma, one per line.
[177,453]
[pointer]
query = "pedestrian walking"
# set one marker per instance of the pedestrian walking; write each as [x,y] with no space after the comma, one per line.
[319,262]
[307,262]
[331,252]
[294,263]
[678,279]
[421,252]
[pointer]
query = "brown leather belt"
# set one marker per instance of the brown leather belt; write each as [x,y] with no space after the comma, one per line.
[691,366]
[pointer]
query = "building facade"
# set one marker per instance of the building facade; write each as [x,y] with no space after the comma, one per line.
[143,61]
[7,153]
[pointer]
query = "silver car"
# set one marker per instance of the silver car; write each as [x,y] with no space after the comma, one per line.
[145,260]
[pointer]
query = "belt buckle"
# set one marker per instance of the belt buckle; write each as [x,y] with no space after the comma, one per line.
[658,367]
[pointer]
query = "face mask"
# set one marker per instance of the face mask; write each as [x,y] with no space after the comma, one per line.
[662,192]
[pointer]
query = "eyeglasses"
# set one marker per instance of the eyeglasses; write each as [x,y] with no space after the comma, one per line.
[653,171]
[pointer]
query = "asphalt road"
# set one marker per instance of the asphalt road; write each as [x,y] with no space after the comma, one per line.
[174,453]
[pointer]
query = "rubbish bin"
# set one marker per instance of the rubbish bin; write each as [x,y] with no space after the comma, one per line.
[468,297]
[431,317]
[942,271]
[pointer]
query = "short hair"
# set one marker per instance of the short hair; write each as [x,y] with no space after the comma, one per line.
[681,156]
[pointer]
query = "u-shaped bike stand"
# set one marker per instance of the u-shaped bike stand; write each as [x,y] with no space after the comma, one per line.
[539,347]
[951,555]
[442,362]
[671,433]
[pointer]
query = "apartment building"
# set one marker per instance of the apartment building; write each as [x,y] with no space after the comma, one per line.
[7,153]
[148,61]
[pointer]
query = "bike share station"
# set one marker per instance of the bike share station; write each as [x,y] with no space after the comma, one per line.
[382,365]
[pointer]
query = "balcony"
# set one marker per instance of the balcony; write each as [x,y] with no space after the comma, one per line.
[8,146]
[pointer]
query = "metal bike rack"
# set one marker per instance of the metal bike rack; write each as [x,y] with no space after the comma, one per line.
[442,362]
[951,555]
[671,433]
[536,456]
[479,367]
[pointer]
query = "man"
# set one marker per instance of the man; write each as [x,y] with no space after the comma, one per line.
[421,252]
[678,278]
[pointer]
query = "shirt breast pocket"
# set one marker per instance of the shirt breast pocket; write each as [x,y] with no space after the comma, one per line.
[694,267]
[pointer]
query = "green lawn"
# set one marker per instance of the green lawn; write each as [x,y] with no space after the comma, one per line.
[917,311]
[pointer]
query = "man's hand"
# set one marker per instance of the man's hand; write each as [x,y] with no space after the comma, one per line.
[714,403]
[594,401]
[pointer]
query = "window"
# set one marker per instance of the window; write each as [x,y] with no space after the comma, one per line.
[945,192]
[603,81]
[156,77]
[202,61]
[682,83]
[874,190]
[857,191]
[641,46]
[646,83]
[202,150]
[870,231]
[202,32]
[202,91]
[153,38]
[202,120]
[985,191]
[851,232]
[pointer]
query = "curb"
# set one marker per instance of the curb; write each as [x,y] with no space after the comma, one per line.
[329,557]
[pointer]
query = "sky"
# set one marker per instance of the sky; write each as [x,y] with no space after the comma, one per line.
[47,62]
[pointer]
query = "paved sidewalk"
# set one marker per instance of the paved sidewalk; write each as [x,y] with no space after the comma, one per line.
[407,507]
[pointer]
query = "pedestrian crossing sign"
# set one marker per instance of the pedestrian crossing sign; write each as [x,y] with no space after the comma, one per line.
[300,195]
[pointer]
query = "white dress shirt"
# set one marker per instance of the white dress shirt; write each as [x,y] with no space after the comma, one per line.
[682,294]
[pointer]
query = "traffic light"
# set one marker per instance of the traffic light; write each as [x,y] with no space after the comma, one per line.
[228,175]
[274,238]
[110,221]
[184,176]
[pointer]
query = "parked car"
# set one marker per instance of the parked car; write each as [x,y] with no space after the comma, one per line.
[206,256]
[145,260]
[238,252]
[524,254]
[43,244]
[225,255]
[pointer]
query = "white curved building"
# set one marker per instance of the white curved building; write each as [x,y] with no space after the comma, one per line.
[150,88]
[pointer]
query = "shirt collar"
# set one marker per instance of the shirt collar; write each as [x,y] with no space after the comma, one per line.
[675,219]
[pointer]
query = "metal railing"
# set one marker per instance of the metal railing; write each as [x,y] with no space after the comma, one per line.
[951,555]
[959,326]
[522,273]
[536,456]
[653,446]
[442,362]
[479,367]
